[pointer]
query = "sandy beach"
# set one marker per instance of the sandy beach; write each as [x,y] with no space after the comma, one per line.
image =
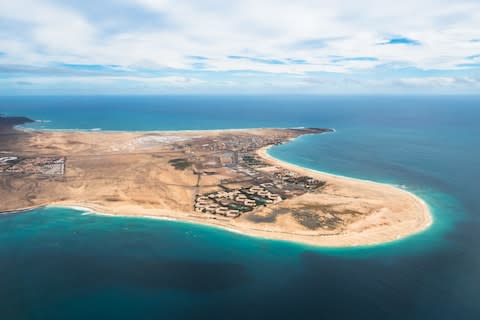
[412,216]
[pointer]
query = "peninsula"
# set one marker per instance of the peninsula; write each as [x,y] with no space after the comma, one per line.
[223,178]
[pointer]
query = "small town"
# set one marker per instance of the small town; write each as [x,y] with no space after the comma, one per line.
[49,166]
[254,183]
[233,202]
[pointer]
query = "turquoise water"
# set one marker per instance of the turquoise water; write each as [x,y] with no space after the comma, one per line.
[60,263]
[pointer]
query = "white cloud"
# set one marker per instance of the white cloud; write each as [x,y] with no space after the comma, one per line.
[59,32]
[438,81]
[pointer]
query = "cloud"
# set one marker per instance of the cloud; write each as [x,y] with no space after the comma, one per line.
[343,59]
[296,61]
[113,17]
[314,43]
[469,65]
[197,58]
[89,67]
[199,65]
[60,70]
[437,81]
[401,41]
[473,57]
[26,69]
[257,59]
[270,61]
[472,62]
[279,41]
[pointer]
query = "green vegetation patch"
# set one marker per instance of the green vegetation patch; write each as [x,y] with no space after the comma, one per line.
[180,164]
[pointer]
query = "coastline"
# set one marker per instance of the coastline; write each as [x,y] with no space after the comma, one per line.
[425,219]
[422,217]
[100,130]
[315,240]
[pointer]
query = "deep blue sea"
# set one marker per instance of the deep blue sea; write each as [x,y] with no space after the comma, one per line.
[66,264]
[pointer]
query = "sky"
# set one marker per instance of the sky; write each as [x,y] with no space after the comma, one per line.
[239,47]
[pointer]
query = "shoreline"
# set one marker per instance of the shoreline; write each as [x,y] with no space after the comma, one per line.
[427,216]
[329,240]
[100,130]
[367,232]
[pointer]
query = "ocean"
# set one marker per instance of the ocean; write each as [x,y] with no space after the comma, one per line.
[60,263]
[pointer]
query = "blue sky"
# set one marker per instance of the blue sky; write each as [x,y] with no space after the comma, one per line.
[251,47]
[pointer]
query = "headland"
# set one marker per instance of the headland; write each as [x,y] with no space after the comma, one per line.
[223,178]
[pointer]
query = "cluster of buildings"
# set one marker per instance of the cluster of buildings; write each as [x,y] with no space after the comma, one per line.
[238,143]
[270,189]
[227,151]
[253,187]
[232,203]
[294,181]
[52,166]
[254,183]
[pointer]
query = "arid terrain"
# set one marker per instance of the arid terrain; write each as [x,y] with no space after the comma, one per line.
[222,178]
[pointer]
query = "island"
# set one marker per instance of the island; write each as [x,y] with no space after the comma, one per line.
[221,178]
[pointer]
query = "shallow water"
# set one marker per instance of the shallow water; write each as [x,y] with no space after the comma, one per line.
[57,263]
